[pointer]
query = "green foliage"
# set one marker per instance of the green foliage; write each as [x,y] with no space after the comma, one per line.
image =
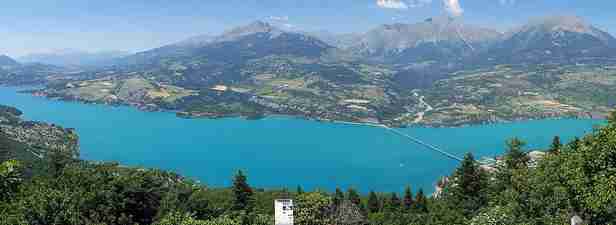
[494,216]
[84,193]
[580,180]
[312,209]
[515,157]
[177,218]
[338,197]
[556,145]
[467,192]
[421,202]
[575,144]
[374,205]
[393,204]
[242,192]
[299,190]
[354,197]
[408,198]
[10,179]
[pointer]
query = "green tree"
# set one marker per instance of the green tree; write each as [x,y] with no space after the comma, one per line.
[590,172]
[242,192]
[575,144]
[556,145]
[394,203]
[408,198]
[468,187]
[299,190]
[374,205]
[312,209]
[10,179]
[515,157]
[57,161]
[348,214]
[421,202]
[494,216]
[338,197]
[354,197]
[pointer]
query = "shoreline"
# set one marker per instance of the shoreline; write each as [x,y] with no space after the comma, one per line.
[189,116]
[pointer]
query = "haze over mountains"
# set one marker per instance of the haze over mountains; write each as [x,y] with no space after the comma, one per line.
[393,74]
[433,40]
[6,61]
[72,57]
[442,39]
[418,53]
[560,37]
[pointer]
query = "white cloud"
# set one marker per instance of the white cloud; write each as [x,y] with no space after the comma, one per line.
[283,22]
[278,18]
[453,7]
[392,4]
[402,4]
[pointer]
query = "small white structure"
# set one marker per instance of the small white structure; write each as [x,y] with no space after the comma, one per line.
[576,220]
[283,211]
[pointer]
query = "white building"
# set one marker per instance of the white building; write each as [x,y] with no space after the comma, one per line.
[283,211]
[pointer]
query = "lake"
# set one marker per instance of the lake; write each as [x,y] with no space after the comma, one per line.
[281,151]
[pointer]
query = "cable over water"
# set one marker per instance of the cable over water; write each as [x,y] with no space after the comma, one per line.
[429,146]
[411,138]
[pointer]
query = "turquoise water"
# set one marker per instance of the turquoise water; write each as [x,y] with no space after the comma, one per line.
[280,152]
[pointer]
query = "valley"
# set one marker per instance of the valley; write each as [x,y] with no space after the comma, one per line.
[438,72]
[345,112]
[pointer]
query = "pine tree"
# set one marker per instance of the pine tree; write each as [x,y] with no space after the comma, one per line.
[242,192]
[408,198]
[374,205]
[299,190]
[556,145]
[468,191]
[421,202]
[353,196]
[575,144]
[338,197]
[515,158]
[394,202]
[57,161]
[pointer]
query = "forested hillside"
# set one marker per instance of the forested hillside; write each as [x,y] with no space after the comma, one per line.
[577,179]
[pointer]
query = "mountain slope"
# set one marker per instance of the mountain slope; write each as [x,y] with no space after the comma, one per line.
[202,62]
[553,38]
[440,39]
[6,61]
[69,57]
[255,40]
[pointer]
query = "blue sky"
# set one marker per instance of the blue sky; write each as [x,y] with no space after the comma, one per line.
[135,25]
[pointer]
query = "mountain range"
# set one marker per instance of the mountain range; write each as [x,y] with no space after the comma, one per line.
[433,39]
[445,43]
[6,61]
[441,39]
[72,58]
[554,38]
[394,74]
